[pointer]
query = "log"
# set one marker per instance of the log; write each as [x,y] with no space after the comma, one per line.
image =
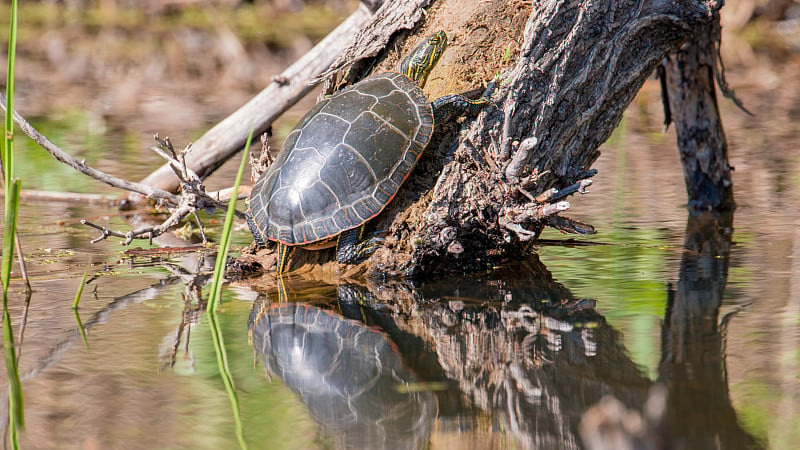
[475,202]
[484,190]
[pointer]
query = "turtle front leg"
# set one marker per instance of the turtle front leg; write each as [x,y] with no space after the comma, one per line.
[450,106]
[353,247]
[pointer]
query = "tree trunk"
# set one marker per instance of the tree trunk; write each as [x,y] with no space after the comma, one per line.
[481,194]
[688,82]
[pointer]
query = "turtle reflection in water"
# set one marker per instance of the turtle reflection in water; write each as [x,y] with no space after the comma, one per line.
[350,376]
[347,157]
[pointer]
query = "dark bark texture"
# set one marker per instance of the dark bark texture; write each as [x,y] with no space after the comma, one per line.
[565,71]
[689,76]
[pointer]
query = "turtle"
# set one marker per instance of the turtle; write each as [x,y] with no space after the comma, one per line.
[347,157]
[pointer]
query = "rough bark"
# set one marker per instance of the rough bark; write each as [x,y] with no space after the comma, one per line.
[688,82]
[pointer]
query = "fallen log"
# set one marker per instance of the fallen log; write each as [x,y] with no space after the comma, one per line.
[566,73]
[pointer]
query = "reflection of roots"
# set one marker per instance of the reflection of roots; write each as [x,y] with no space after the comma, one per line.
[532,368]
[499,360]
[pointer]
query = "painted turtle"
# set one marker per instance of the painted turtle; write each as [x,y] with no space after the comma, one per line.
[347,157]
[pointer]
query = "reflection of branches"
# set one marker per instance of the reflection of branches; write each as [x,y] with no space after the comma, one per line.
[180,275]
[193,306]
[520,364]
[193,279]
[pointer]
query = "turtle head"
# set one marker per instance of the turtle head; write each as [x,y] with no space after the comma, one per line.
[419,63]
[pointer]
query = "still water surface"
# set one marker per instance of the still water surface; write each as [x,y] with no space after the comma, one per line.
[708,308]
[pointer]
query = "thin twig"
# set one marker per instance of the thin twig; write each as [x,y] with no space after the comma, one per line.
[193,197]
[200,226]
[81,166]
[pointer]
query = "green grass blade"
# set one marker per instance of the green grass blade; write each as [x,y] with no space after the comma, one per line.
[75,302]
[224,243]
[15,399]
[9,234]
[225,373]
[7,154]
[80,290]
[16,415]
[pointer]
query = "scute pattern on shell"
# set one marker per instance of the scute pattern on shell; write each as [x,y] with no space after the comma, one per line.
[343,162]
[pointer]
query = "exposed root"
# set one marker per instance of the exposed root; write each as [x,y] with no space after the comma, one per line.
[543,210]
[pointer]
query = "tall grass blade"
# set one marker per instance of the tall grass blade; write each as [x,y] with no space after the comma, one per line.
[80,290]
[214,299]
[16,414]
[224,243]
[75,302]
[7,154]
[225,373]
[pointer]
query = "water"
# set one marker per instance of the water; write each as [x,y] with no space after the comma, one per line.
[700,312]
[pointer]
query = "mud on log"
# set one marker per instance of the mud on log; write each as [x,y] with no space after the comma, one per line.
[486,197]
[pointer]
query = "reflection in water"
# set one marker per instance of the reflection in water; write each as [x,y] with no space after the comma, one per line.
[515,358]
[514,347]
[349,376]
[694,409]
[517,348]
[533,360]
[699,410]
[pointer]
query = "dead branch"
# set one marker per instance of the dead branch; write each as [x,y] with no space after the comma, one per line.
[193,197]
[81,166]
[225,139]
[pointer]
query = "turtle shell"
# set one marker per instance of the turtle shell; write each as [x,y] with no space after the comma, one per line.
[343,162]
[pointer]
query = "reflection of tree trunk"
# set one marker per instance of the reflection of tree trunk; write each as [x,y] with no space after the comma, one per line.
[514,344]
[699,410]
